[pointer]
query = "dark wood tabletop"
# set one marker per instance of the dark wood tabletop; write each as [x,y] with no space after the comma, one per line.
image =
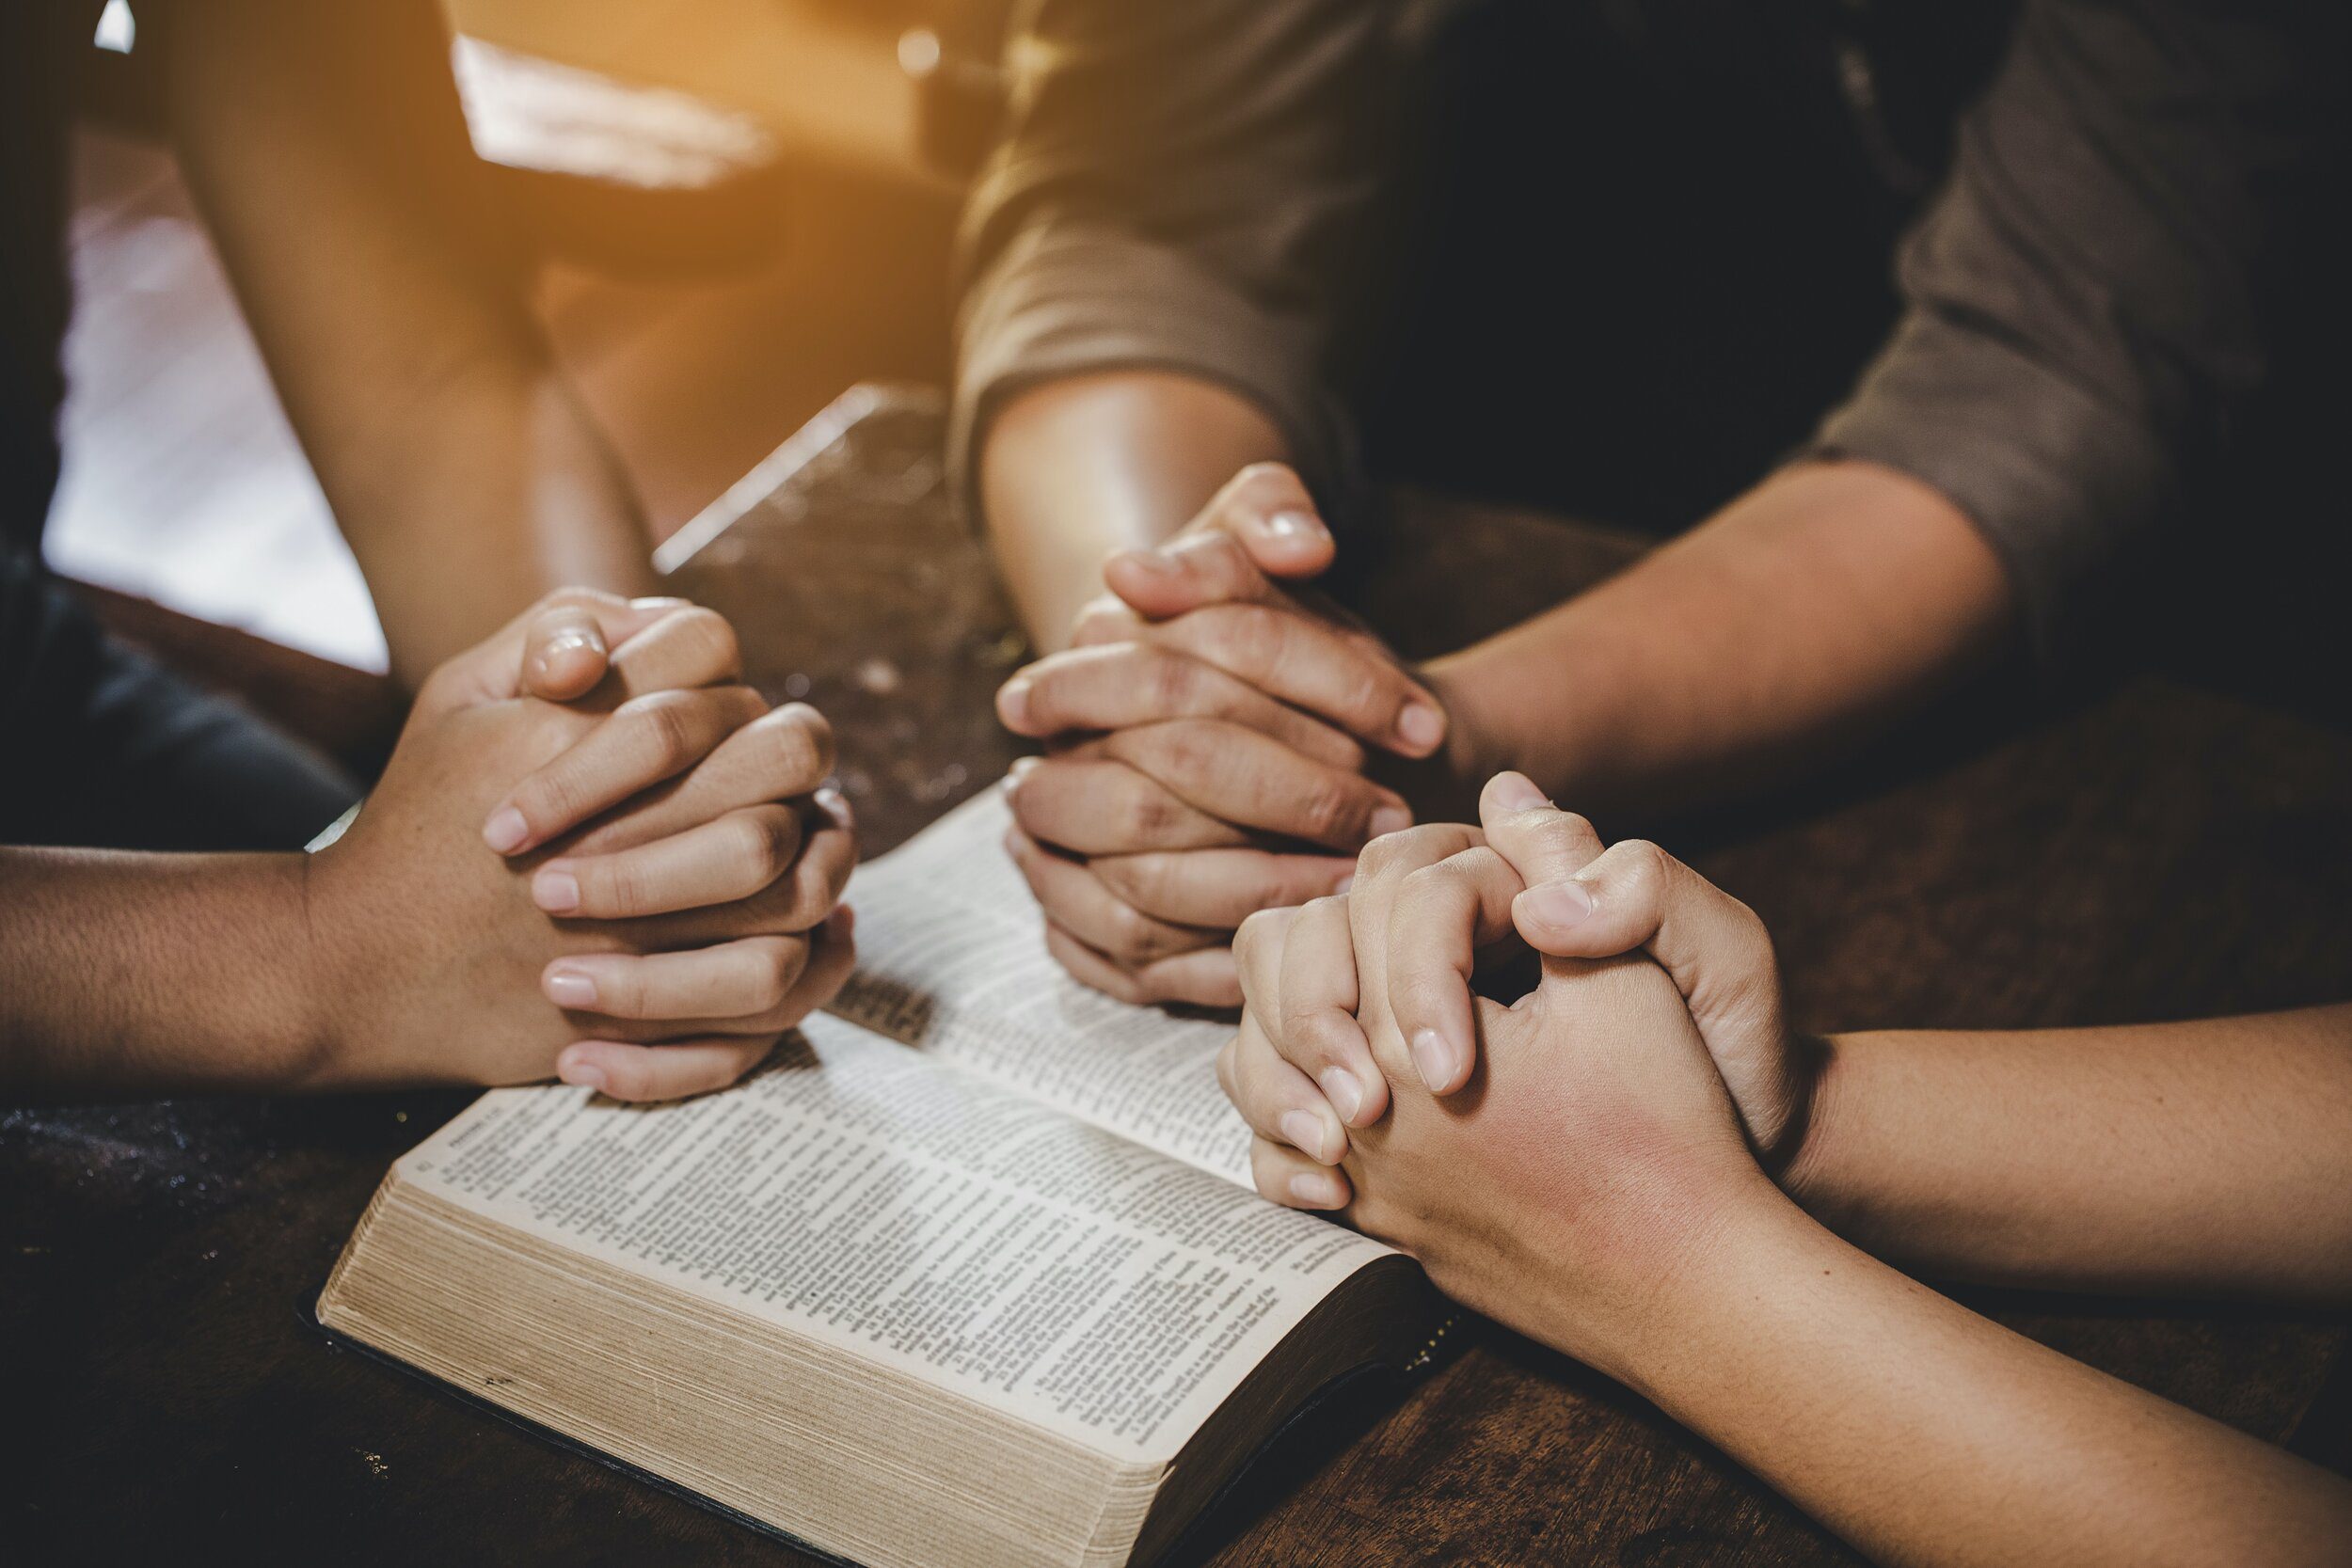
[2144,849]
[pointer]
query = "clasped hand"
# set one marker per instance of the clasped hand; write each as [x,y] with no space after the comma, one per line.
[1210,740]
[657,897]
[1545,1158]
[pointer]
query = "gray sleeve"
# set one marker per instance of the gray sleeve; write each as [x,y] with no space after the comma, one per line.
[2089,300]
[1181,186]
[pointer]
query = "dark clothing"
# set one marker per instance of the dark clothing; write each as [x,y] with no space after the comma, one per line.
[1621,255]
[101,747]
[43,43]
[104,748]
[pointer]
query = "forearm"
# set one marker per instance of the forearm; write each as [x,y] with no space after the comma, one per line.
[1924,1433]
[126,974]
[497,493]
[1071,471]
[386,288]
[1824,602]
[2205,1157]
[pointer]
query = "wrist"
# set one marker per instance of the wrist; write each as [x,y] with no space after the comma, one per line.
[270,1037]
[1635,1275]
[313,978]
[1803,1162]
[1475,747]
[1732,1249]
[1508,708]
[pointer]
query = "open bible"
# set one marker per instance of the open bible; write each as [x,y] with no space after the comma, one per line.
[970,1274]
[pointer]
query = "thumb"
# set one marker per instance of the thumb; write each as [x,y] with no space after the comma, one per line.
[1262,527]
[1542,842]
[1635,897]
[559,649]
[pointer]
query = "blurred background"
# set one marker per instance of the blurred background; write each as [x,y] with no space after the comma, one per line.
[741,208]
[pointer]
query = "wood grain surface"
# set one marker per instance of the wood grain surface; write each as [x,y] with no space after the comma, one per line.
[2146,850]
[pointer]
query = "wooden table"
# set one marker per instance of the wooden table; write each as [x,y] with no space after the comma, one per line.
[2152,850]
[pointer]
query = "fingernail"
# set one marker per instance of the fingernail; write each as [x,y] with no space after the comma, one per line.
[1434,1058]
[586,1075]
[1305,1131]
[1558,905]
[571,988]
[1291,523]
[505,831]
[1518,792]
[555,891]
[563,643]
[836,805]
[1346,1095]
[1315,1191]
[1390,819]
[1012,702]
[1421,726]
[1020,770]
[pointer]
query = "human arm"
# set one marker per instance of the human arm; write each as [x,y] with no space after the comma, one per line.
[2206,1157]
[1834,595]
[409,952]
[1076,469]
[388,293]
[1591,1186]
[1152,270]
[1208,768]
[2203,1157]
[1829,599]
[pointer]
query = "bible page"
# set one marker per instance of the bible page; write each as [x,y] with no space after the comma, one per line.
[952,958]
[862,1196]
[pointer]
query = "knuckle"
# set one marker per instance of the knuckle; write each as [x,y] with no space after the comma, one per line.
[1148,814]
[1142,881]
[1169,681]
[618,884]
[1184,749]
[1366,695]
[766,842]
[1261,638]
[1317,1037]
[1260,933]
[1328,808]
[1129,934]
[795,750]
[1382,854]
[1644,869]
[815,733]
[556,795]
[1247,639]
[708,635]
[1429,886]
[665,728]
